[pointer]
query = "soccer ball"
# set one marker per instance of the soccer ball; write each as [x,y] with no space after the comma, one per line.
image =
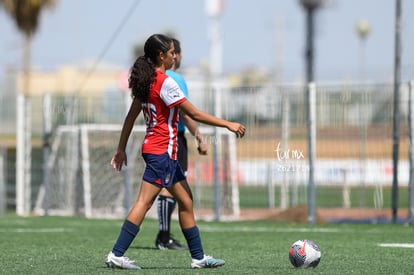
[304,254]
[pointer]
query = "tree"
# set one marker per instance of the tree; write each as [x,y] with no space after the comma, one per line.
[25,14]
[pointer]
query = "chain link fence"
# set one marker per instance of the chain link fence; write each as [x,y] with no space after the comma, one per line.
[353,142]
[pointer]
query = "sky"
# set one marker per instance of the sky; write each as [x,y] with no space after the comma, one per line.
[257,34]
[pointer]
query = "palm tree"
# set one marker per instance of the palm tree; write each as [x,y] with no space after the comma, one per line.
[25,14]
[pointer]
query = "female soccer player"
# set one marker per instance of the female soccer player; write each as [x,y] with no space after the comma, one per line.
[160,99]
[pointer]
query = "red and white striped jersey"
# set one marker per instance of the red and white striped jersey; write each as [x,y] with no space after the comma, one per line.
[161,113]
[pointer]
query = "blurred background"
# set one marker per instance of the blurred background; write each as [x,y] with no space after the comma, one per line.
[342,143]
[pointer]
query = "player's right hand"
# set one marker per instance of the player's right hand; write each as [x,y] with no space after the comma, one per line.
[118,159]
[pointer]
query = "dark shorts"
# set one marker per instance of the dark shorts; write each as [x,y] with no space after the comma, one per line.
[161,170]
[182,151]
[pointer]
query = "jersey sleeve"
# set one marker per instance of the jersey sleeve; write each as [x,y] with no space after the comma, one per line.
[171,93]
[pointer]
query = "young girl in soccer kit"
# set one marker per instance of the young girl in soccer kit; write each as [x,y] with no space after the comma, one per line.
[160,100]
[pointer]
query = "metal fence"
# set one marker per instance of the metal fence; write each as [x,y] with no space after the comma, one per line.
[353,142]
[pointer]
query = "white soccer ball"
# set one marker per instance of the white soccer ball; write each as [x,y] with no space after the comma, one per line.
[304,254]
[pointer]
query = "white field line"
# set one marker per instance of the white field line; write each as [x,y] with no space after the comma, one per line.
[208,228]
[35,230]
[400,245]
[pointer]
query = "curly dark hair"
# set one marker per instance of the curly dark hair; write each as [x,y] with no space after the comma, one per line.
[142,72]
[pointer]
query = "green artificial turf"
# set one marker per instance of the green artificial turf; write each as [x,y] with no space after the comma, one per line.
[59,245]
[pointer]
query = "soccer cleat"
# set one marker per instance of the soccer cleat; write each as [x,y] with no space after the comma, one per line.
[207,262]
[120,262]
[171,245]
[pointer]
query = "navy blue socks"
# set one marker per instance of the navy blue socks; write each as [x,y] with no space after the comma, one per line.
[125,238]
[192,235]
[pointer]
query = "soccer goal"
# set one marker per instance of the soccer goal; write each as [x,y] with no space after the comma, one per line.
[82,182]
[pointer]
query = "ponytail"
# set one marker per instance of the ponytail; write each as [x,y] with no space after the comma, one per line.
[141,76]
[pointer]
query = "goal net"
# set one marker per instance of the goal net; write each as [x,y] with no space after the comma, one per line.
[82,182]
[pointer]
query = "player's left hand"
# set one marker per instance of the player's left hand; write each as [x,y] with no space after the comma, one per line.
[237,128]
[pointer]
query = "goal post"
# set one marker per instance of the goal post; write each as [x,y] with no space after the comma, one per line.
[82,181]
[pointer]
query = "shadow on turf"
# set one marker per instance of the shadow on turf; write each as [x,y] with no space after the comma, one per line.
[144,247]
[148,268]
[155,267]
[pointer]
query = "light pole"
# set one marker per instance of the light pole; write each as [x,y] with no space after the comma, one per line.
[362,29]
[310,7]
[214,10]
[396,110]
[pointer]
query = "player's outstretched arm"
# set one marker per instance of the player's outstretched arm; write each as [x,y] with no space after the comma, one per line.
[200,116]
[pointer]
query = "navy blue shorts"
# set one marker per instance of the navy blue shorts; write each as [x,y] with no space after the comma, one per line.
[161,170]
